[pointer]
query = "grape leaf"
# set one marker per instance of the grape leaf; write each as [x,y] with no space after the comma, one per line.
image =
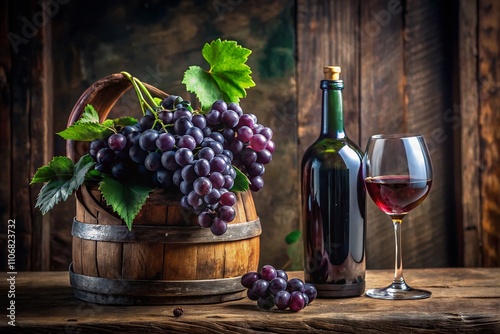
[63,179]
[157,100]
[59,167]
[293,237]
[123,121]
[89,115]
[241,181]
[227,78]
[85,131]
[126,199]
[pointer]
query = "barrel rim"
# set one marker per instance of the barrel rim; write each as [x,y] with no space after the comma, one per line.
[164,234]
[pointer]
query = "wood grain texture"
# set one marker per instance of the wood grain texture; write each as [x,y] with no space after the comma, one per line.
[383,105]
[463,301]
[489,120]
[469,142]
[428,96]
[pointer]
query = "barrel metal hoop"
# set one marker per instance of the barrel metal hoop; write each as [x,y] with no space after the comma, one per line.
[157,288]
[164,234]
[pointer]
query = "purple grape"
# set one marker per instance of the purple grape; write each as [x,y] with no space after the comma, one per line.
[128,129]
[213,117]
[202,186]
[186,187]
[217,164]
[297,301]
[105,156]
[228,198]
[137,154]
[236,146]
[248,156]
[182,112]
[187,141]
[95,146]
[168,160]
[229,118]
[165,142]
[146,122]
[245,134]
[261,288]
[228,134]
[206,131]
[117,142]
[196,133]
[133,138]
[227,213]
[119,171]
[258,142]
[147,140]
[255,169]
[235,107]
[306,299]
[226,159]
[182,125]
[276,285]
[264,157]
[164,178]
[268,272]
[295,284]
[166,117]
[206,153]
[217,180]
[153,161]
[220,106]
[228,182]
[217,136]
[266,303]
[256,183]
[228,154]
[270,146]
[188,173]
[177,177]
[194,199]
[281,299]
[246,120]
[199,121]
[185,204]
[251,295]
[216,147]
[212,198]
[219,226]
[202,167]
[310,291]
[266,132]
[183,156]
[205,219]
[282,274]
[248,279]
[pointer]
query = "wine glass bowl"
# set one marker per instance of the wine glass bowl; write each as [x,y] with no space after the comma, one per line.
[397,170]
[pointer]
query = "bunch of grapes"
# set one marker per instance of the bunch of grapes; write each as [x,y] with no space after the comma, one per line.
[271,287]
[175,147]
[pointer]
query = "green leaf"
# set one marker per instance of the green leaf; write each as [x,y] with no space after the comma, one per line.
[93,175]
[123,121]
[293,237]
[89,115]
[59,167]
[241,181]
[227,78]
[85,131]
[125,199]
[62,183]
[158,101]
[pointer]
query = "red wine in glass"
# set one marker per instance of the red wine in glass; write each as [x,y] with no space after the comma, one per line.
[397,195]
[398,176]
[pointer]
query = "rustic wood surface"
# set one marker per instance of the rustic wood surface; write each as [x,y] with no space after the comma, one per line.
[489,120]
[463,301]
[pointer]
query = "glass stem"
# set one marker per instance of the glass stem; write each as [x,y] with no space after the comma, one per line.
[398,260]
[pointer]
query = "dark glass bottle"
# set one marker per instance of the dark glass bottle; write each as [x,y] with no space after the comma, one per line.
[333,202]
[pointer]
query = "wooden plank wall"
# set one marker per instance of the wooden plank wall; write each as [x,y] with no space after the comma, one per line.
[26,128]
[421,65]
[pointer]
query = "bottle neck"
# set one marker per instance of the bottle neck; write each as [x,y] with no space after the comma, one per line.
[332,119]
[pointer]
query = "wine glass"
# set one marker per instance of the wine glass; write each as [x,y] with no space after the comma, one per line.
[398,176]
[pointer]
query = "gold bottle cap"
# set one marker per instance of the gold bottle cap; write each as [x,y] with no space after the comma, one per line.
[332,72]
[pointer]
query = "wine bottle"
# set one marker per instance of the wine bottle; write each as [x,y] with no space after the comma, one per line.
[333,202]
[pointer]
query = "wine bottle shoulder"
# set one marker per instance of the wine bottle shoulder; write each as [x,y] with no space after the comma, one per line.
[332,153]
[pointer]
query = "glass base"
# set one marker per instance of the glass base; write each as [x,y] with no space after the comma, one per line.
[397,291]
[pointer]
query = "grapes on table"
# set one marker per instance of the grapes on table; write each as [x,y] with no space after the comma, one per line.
[271,287]
[173,147]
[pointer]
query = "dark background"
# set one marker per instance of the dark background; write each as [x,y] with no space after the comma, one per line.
[409,66]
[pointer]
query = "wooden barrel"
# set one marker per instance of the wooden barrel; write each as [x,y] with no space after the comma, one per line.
[166,258]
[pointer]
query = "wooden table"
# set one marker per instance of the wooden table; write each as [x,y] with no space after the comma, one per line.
[463,300]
